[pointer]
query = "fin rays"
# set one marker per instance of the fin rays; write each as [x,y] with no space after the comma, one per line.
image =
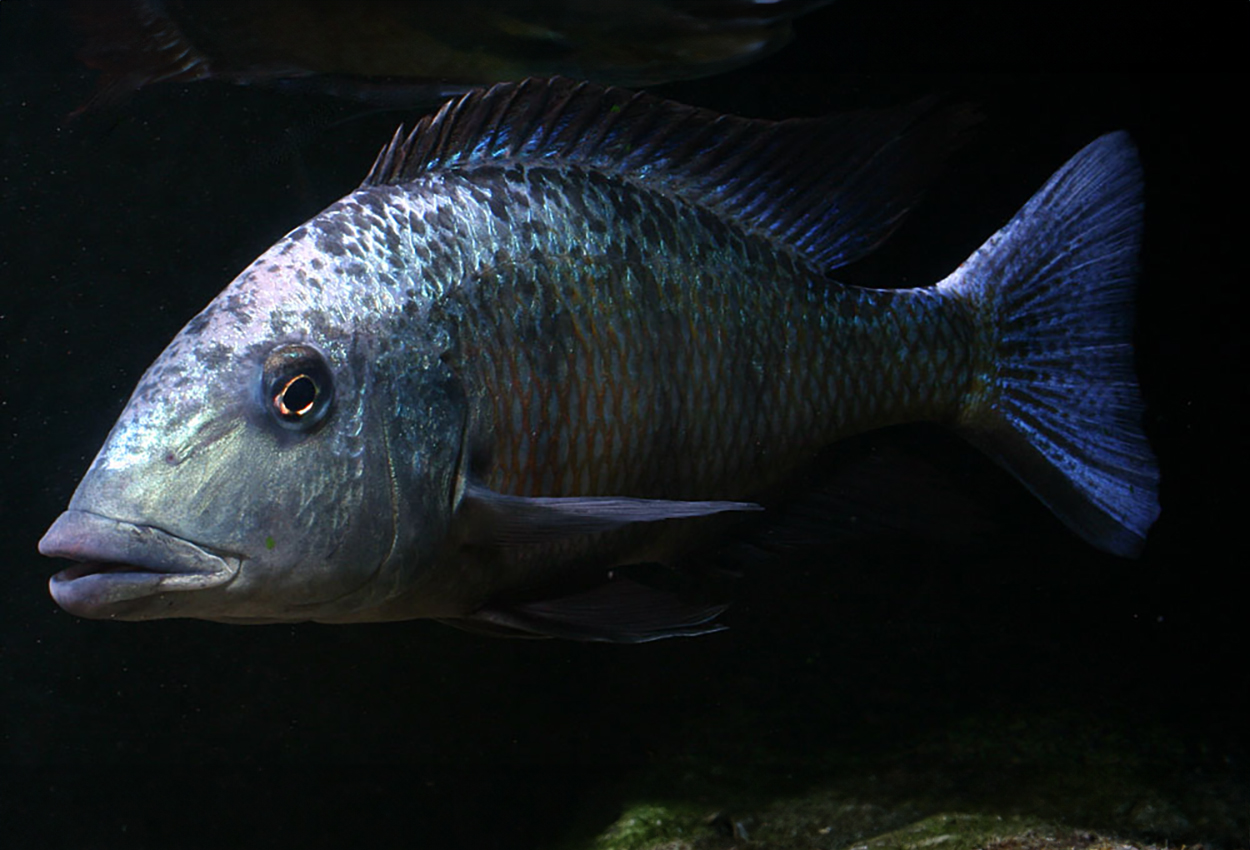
[1062,410]
[830,189]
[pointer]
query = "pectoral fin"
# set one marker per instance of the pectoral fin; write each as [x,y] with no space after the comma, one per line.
[500,519]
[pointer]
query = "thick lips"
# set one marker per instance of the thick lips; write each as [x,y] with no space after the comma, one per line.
[121,561]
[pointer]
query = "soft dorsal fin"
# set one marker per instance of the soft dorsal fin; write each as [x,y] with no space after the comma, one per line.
[830,188]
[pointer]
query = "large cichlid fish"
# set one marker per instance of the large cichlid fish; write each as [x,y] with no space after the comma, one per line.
[562,334]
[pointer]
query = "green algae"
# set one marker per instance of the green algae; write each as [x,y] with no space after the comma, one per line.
[817,821]
[1039,781]
[645,825]
[824,823]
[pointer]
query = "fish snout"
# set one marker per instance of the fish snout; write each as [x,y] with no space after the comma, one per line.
[121,565]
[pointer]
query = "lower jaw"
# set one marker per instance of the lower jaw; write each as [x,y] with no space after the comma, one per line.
[125,592]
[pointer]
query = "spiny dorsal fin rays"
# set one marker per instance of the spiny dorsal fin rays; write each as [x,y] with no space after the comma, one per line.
[831,189]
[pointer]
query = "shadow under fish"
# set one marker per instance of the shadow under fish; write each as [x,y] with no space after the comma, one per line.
[563,334]
[405,54]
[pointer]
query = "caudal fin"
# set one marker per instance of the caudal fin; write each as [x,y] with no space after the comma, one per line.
[1056,400]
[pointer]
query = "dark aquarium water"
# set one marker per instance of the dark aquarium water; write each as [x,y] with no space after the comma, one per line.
[1006,669]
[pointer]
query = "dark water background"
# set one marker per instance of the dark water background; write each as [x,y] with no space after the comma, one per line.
[115,230]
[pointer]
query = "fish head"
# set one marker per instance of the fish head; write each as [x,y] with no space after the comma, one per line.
[252,476]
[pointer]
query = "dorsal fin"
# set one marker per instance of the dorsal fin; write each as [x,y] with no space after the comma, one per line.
[830,188]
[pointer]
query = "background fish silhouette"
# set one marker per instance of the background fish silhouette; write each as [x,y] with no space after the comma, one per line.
[400,53]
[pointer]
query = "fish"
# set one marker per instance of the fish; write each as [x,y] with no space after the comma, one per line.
[565,338]
[401,54]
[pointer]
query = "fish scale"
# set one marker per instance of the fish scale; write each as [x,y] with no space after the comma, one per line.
[734,400]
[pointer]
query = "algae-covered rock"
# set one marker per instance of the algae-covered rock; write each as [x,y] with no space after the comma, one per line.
[823,823]
[1050,781]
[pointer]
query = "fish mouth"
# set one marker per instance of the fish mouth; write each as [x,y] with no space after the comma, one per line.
[121,566]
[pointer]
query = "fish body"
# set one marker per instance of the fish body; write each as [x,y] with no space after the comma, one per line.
[561,332]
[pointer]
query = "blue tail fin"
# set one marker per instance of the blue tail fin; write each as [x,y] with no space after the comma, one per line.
[1055,399]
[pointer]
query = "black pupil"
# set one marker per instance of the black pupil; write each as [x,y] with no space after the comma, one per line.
[298,387]
[297,396]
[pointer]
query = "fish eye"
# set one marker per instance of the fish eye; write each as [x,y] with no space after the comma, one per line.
[298,386]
